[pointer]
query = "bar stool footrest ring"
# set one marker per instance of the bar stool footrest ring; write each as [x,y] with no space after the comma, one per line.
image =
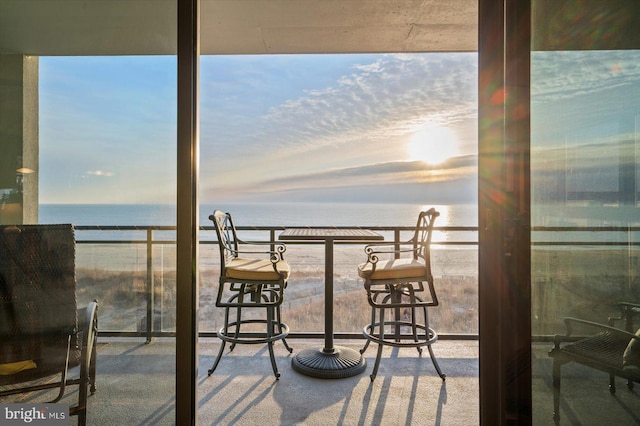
[391,338]
[250,338]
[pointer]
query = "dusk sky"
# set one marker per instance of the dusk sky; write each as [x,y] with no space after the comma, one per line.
[277,127]
[395,128]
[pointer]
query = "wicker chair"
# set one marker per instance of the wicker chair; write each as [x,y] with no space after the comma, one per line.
[396,285]
[251,282]
[43,334]
[610,349]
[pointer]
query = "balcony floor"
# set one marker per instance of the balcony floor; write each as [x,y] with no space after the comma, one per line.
[136,385]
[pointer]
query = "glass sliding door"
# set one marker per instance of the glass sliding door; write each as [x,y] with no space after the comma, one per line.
[92,142]
[585,116]
[107,165]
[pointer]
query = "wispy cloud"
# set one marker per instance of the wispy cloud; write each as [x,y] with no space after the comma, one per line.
[562,75]
[334,183]
[384,170]
[362,115]
[99,173]
[383,99]
[580,97]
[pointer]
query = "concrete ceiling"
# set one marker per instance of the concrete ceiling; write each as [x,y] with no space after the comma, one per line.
[139,27]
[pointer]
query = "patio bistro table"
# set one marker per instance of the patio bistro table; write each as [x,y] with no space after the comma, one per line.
[330,362]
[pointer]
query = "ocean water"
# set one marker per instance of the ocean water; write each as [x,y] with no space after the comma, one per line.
[263,214]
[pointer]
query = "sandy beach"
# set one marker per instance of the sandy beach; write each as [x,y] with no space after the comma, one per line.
[584,282]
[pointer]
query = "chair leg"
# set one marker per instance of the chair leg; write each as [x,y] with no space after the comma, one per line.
[412,304]
[396,298]
[279,321]
[272,298]
[82,417]
[270,343]
[92,369]
[556,391]
[612,384]
[85,379]
[374,373]
[63,375]
[414,328]
[286,346]
[373,321]
[217,361]
[364,348]
[435,364]
[427,336]
[93,327]
[240,300]
[223,342]
[273,361]
[237,332]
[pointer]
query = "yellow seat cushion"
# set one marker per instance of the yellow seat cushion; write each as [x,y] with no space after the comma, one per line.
[16,367]
[256,269]
[393,269]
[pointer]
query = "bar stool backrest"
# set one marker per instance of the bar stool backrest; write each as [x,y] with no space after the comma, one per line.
[227,238]
[422,237]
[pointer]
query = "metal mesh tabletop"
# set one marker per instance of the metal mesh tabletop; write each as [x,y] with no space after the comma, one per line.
[332,233]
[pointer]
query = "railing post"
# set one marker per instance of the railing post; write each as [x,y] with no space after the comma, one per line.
[150,286]
[272,237]
[631,268]
[396,240]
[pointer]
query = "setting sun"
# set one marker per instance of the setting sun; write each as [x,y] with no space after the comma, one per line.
[432,145]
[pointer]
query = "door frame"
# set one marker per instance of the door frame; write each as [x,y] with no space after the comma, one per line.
[503,206]
[504,267]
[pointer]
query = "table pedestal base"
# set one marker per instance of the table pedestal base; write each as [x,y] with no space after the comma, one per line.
[342,362]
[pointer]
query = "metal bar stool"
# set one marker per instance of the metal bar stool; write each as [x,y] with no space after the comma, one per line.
[397,285]
[249,282]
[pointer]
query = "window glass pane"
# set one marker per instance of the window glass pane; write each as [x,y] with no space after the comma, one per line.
[91,141]
[586,227]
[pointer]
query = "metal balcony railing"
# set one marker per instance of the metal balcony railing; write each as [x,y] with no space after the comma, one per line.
[541,236]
